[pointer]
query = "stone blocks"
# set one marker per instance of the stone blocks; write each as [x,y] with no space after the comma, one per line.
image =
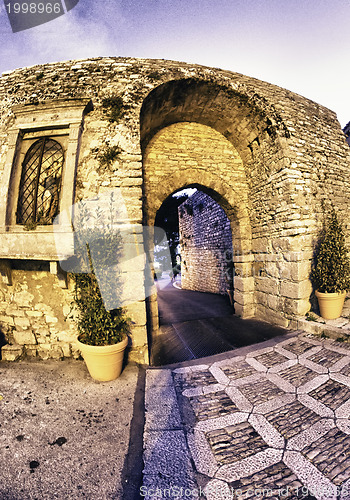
[11,352]
[298,290]
[136,311]
[244,284]
[24,337]
[206,245]
[267,156]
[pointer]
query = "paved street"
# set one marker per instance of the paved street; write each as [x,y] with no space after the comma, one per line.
[270,420]
[195,324]
[65,436]
[272,417]
[177,305]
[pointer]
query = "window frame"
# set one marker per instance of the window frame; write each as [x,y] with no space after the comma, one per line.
[58,118]
[37,172]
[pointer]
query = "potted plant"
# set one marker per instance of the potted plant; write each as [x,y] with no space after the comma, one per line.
[331,270]
[102,332]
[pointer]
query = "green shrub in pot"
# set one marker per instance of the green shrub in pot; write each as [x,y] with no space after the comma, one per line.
[331,270]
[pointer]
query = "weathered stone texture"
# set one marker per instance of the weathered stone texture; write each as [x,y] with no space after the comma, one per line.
[35,303]
[11,352]
[206,245]
[269,157]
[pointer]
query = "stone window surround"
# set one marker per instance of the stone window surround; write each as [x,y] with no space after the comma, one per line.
[52,118]
[30,139]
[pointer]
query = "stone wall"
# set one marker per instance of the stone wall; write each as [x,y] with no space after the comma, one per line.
[346,131]
[192,154]
[37,315]
[97,79]
[206,245]
[276,190]
[271,158]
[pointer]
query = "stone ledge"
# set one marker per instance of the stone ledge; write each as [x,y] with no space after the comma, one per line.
[11,352]
[324,329]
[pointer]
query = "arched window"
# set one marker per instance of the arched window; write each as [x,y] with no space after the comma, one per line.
[40,182]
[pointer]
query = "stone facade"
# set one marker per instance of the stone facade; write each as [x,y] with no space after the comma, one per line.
[346,131]
[37,315]
[146,128]
[206,245]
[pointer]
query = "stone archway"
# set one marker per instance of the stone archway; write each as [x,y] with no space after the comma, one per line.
[197,132]
[288,153]
[191,154]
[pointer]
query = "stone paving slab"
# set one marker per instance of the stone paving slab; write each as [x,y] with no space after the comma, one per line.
[161,408]
[167,462]
[272,422]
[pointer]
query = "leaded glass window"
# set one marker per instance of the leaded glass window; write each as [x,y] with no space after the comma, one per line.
[40,185]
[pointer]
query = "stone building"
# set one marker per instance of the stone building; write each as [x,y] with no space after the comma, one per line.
[206,245]
[346,131]
[70,131]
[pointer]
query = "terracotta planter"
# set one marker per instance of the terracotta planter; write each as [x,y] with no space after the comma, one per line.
[331,304]
[104,362]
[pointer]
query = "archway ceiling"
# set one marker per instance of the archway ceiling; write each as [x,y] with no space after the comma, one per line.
[227,111]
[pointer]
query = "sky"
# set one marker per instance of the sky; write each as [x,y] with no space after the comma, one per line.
[301,45]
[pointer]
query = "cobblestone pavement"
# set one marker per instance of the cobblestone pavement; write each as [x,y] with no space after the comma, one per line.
[272,422]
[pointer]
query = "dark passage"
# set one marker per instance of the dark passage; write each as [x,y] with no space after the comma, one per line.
[2,340]
[196,324]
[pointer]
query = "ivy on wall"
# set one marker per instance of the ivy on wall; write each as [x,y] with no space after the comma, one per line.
[108,156]
[114,108]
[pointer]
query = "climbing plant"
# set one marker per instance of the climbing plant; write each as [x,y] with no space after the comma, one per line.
[108,156]
[114,108]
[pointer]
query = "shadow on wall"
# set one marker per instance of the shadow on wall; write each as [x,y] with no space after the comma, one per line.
[2,341]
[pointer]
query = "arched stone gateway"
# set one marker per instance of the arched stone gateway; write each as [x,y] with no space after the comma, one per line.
[143,129]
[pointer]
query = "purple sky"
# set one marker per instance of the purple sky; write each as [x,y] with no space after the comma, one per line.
[301,45]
